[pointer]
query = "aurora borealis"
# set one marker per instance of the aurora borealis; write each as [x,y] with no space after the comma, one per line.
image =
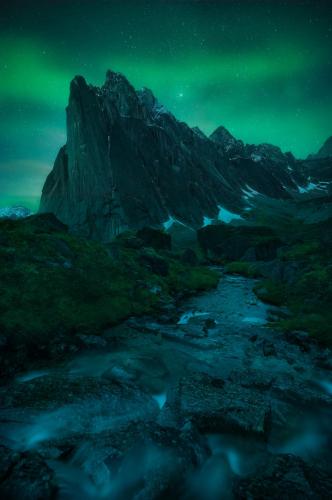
[262,68]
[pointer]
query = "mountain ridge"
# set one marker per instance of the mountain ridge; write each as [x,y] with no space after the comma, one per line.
[128,162]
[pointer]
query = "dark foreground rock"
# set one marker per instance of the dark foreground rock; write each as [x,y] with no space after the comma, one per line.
[26,476]
[285,476]
[212,404]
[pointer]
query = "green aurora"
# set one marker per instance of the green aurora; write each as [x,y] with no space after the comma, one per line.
[262,68]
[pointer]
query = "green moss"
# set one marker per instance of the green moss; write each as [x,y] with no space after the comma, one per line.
[302,250]
[271,292]
[317,325]
[54,285]
[244,268]
[186,278]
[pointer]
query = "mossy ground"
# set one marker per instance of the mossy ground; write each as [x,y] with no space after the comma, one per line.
[54,285]
[309,294]
[247,269]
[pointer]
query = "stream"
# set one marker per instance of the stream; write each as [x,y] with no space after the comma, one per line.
[213,404]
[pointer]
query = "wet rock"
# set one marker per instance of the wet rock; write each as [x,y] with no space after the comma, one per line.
[25,476]
[287,477]
[216,405]
[324,359]
[145,460]
[269,348]
[209,324]
[299,338]
[93,341]
[253,338]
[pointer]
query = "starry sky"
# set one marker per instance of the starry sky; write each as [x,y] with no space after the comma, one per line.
[263,69]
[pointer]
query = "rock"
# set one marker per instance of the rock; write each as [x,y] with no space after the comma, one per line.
[129,163]
[25,476]
[233,243]
[215,405]
[189,257]
[93,341]
[324,359]
[325,151]
[285,476]
[157,264]
[46,223]
[155,238]
[209,324]
[269,348]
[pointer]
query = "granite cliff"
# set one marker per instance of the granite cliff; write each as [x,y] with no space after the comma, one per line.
[129,163]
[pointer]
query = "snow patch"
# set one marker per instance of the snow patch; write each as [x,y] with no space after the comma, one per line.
[207,221]
[226,216]
[16,212]
[170,221]
[310,187]
[160,398]
[249,192]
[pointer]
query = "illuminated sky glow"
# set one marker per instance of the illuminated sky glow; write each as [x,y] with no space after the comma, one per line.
[261,68]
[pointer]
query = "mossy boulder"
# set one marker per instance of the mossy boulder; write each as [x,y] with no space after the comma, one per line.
[155,238]
[226,242]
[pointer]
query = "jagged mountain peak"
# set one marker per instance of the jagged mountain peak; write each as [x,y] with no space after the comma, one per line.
[227,142]
[221,134]
[325,151]
[128,163]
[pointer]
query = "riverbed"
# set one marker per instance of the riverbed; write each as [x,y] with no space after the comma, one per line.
[213,403]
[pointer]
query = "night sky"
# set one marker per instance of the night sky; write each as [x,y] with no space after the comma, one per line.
[261,68]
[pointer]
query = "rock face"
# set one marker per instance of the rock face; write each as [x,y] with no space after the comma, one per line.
[129,163]
[325,151]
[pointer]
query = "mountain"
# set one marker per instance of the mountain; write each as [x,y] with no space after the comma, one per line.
[128,163]
[16,212]
[325,151]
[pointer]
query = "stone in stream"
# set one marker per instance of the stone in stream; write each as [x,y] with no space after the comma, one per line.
[285,477]
[269,348]
[215,405]
[25,476]
[140,460]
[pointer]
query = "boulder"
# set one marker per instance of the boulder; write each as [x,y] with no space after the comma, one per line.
[155,238]
[287,477]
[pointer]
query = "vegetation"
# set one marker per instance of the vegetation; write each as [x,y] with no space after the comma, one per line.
[54,285]
[306,285]
[247,269]
[292,258]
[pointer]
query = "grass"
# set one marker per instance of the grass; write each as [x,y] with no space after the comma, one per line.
[271,292]
[54,285]
[308,298]
[243,268]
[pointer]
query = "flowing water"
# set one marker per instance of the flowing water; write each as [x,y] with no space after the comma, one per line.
[200,400]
